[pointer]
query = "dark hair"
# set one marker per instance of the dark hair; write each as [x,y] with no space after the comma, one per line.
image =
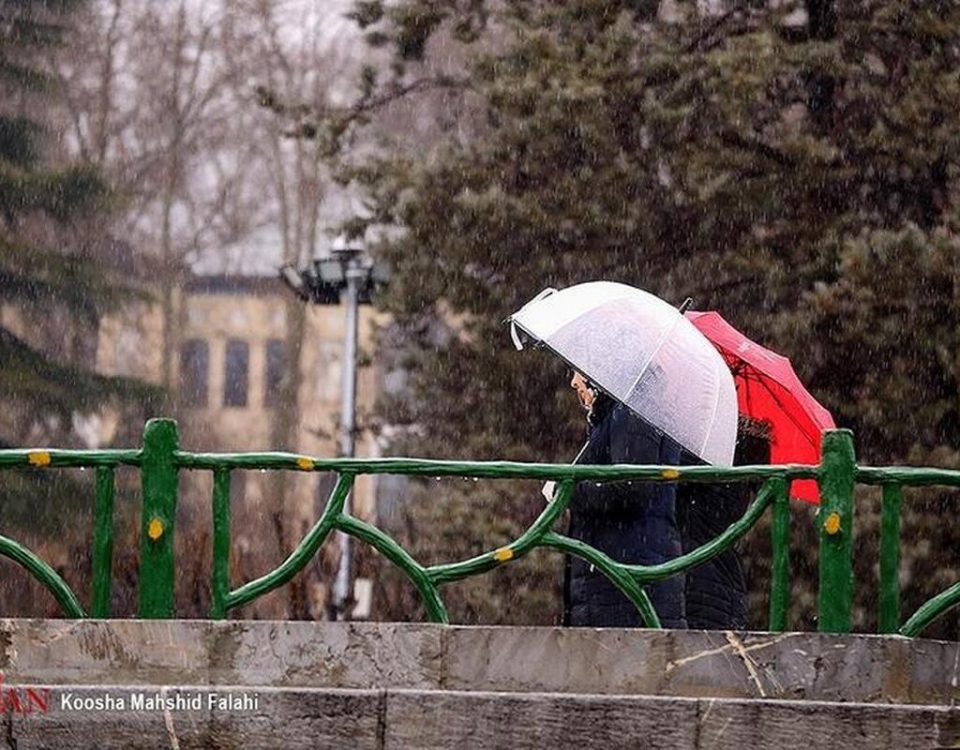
[601,406]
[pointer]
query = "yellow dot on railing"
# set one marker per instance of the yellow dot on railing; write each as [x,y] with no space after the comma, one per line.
[670,474]
[155,529]
[38,458]
[503,554]
[832,524]
[305,464]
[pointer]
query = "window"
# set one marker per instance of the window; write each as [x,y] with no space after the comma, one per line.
[128,346]
[276,371]
[236,374]
[194,369]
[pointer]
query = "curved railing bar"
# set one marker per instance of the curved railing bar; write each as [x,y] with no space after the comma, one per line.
[302,554]
[610,568]
[402,559]
[652,573]
[514,550]
[46,575]
[931,610]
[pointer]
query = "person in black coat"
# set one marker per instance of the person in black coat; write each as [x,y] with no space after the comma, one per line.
[715,592]
[632,522]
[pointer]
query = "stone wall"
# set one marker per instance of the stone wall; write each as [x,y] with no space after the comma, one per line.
[199,684]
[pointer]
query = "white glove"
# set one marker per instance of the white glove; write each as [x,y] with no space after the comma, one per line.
[548,490]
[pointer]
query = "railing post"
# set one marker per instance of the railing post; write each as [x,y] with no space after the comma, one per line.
[158,475]
[780,538]
[102,542]
[889,614]
[221,543]
[837,473]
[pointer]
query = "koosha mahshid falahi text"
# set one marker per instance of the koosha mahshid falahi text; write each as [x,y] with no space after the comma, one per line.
[159,701]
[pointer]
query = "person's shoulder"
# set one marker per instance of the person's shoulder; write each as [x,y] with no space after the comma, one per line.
[632,439]
[627,419]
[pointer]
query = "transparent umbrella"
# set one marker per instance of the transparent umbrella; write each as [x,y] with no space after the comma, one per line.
[644,353]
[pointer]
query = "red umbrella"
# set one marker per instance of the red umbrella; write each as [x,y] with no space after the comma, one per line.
[769,389]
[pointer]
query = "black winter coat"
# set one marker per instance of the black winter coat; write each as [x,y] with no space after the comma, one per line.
[716,591]
[632,522]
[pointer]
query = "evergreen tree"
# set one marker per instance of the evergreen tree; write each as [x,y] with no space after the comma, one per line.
[51,281]
[54,286]
[794,167]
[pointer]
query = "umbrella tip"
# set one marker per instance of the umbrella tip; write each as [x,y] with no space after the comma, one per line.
[685,305]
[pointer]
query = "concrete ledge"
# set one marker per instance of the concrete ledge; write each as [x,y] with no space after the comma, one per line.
[806,666]
[448,721]
[430,720]
[200,652]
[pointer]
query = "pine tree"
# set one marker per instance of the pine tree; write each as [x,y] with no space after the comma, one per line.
[53,285]
[51,280]
[794,167]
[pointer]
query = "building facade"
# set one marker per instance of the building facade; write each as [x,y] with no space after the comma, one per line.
[234,354]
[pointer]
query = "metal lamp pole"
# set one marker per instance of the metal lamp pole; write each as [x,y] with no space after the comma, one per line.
[349,270]
[355,275]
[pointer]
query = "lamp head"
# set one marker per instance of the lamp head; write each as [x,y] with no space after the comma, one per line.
[342,247]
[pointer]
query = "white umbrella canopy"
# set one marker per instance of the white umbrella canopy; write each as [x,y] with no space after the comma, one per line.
[644,353]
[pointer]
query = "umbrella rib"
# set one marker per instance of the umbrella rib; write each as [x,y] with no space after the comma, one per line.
[713,419]
[800,427]
[663,337]
[746,372]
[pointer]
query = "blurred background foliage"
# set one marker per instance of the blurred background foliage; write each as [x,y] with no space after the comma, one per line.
[793,167]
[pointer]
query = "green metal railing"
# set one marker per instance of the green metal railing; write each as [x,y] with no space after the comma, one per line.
[160,461]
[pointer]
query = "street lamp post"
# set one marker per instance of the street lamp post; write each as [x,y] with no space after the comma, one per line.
[350,271]
[355,274]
